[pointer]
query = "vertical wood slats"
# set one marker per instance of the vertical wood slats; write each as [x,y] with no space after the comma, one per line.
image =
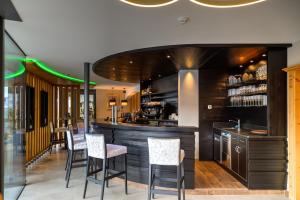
[38,140]
[294,131]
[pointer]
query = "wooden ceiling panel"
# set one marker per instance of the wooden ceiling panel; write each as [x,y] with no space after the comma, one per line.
[153,63]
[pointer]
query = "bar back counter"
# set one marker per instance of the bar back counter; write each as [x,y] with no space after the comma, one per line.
[134,136]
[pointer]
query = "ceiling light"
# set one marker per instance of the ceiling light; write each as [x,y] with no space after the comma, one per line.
[251,61]
[241,66]
[168,56]
[149,3]
[264,55]
[226,3]
[131,62]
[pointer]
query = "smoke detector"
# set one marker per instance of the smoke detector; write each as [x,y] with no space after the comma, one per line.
[183,20]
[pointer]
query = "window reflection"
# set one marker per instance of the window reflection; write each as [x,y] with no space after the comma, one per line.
[14,121]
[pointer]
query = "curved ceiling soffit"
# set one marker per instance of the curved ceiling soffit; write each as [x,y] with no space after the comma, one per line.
[42,66]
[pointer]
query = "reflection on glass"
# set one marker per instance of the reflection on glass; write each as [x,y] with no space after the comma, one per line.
[14,126]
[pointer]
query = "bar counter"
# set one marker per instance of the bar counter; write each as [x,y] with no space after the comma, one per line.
[134,136]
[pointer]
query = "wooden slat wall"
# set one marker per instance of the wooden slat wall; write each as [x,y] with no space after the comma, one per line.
[38,140]
[294,131]
[134,102]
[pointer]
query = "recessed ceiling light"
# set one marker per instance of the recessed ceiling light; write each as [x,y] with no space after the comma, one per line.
[226,4]
[145,3]
[241,66]
[168,56]
[251,61]
[131,62]
[264,55]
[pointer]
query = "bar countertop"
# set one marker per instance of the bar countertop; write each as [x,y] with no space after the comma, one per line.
[133,126]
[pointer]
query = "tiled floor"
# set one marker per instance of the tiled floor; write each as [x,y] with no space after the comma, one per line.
[46,182]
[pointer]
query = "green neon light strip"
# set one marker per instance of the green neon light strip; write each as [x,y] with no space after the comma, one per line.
[46,68]
[19,72]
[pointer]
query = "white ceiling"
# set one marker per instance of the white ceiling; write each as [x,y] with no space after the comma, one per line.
[66,33]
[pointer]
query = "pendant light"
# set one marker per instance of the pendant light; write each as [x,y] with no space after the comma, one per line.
[226,3]
[112,101]
[149,3]
[124,102]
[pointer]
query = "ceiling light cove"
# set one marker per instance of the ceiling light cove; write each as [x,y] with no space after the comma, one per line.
[149,3]
[226,3]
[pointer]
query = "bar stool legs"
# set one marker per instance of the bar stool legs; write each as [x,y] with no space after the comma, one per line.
[179,181]
[106,174]
[125,178]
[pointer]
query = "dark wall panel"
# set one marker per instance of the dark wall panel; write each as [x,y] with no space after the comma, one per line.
[277,92]
[212,91]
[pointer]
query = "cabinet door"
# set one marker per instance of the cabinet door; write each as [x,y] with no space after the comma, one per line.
[234,155]
[217,149]
[243,158]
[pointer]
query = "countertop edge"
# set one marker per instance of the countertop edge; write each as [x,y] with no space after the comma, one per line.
[146,127]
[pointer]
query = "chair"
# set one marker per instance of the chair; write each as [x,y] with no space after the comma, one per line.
[165,152]
[55,137]
[98,149]
[76,137]
[74,146]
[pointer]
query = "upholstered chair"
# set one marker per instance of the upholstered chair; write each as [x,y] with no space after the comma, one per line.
[98,149]
[165,152]
[75,146]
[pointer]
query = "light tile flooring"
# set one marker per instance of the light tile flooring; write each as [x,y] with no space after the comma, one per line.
[45,181]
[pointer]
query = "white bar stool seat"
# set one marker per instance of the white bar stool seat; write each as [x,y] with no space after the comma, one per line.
[115,150]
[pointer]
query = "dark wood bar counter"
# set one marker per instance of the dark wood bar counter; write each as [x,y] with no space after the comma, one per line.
[134,136]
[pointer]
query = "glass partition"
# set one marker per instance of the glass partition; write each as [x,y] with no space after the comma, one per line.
[14,120]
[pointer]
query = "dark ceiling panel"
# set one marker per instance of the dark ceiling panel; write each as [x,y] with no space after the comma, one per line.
[8,11]
[153,63]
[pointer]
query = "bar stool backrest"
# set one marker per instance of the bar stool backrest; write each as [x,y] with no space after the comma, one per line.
[70,140]
[80,127]
[164,151]
[96,145]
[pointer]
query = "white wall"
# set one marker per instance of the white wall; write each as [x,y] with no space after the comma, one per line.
[294,54]
[188,102]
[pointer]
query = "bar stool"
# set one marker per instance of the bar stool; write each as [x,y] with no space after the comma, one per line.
[166,152]
[76,137]
[98,149]
[74,147]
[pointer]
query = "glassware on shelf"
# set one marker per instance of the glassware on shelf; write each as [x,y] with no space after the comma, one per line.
[234,79]
[246,90]
[248,101]
[261,72]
